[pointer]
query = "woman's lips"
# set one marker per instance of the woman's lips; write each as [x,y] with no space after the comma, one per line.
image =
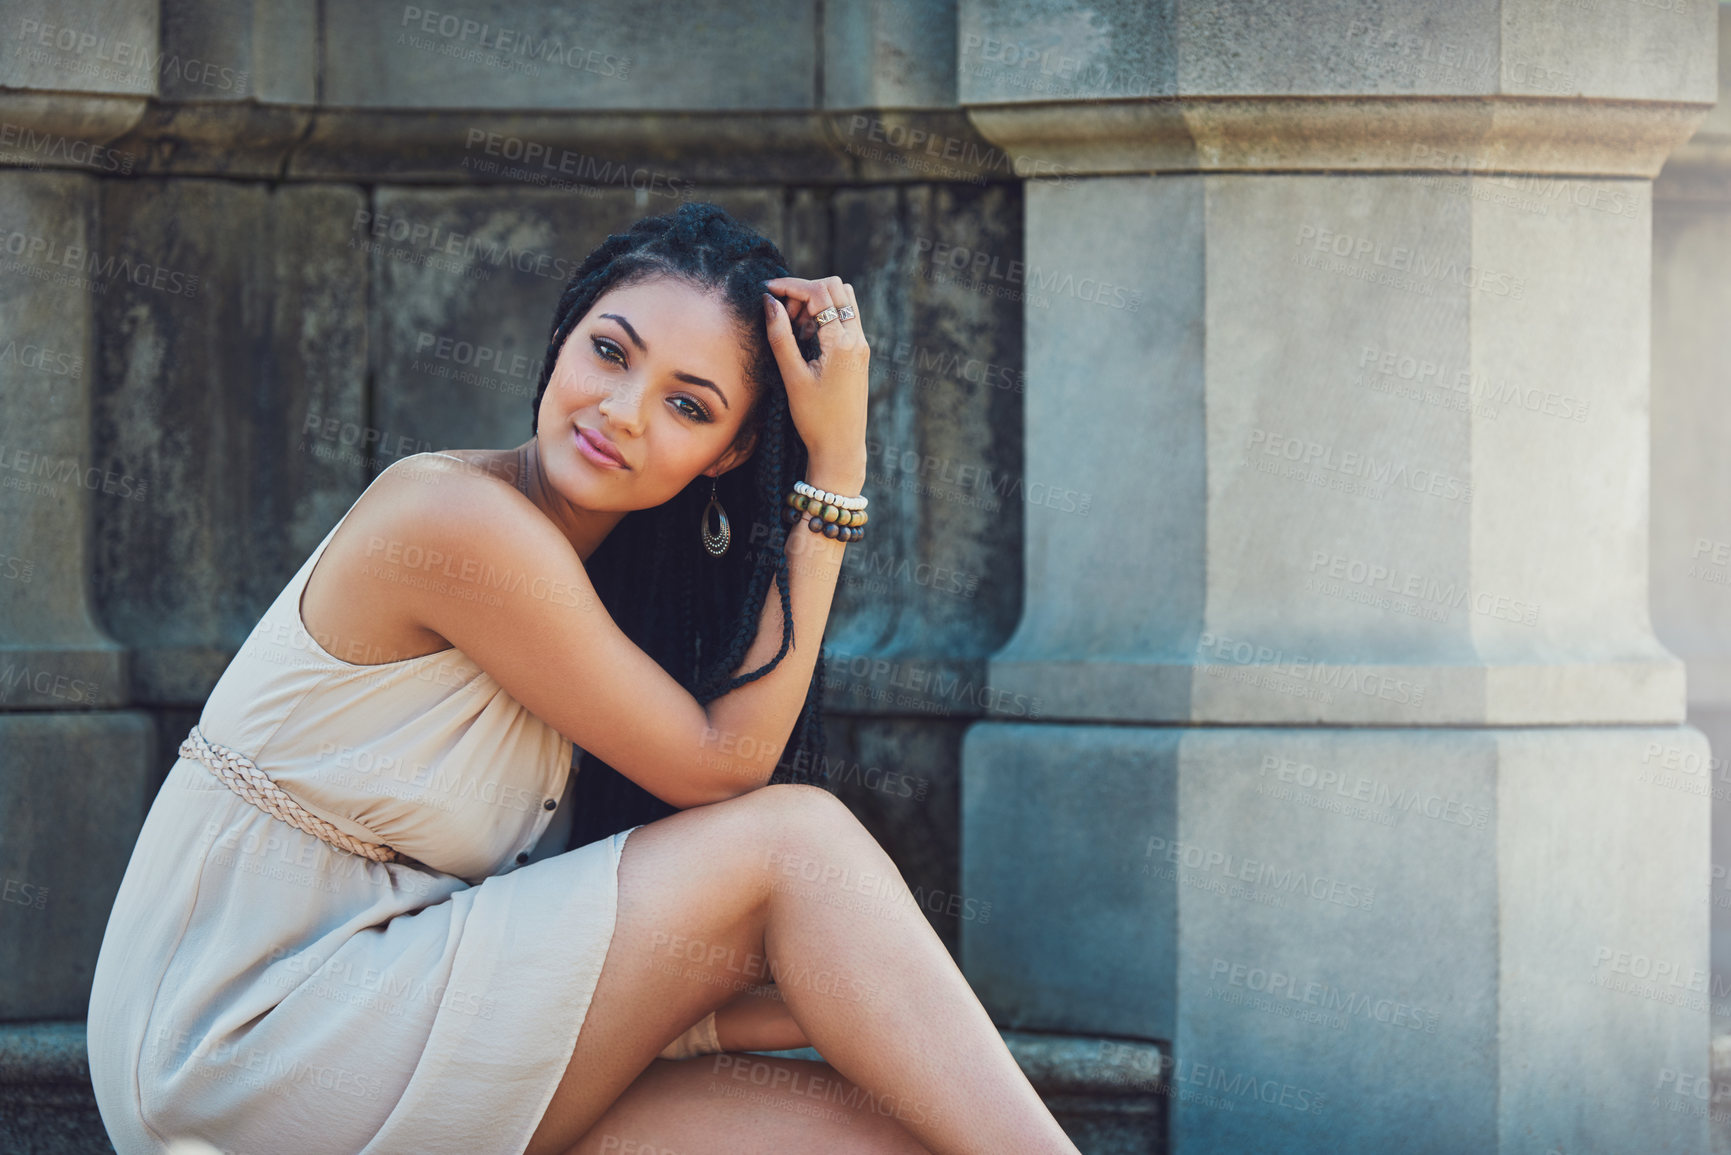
[596,450]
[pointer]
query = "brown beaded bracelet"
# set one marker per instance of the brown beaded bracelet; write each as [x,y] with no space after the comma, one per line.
[832,521]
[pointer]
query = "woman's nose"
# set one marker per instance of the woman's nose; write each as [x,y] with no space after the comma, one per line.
[624,407]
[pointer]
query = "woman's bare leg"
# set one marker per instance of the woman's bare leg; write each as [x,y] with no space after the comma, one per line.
[745,1105]
[785,881]
[758,1020]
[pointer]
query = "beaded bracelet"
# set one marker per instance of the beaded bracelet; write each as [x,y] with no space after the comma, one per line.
[826,517]
[823,495]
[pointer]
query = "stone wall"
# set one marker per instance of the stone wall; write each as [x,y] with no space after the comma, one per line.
[252,252]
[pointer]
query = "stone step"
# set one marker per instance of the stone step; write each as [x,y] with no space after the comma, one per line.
[1109,1095]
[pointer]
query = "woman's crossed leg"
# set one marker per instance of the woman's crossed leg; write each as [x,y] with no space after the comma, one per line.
[784,882]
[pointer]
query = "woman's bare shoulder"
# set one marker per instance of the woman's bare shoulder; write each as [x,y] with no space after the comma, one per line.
[441,496]
[427,522]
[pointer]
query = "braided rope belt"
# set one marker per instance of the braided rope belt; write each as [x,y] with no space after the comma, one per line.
[254,785]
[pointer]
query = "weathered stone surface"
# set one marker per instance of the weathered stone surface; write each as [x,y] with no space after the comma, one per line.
[891,54]
[1358,411]
[608,55]
[80,46]
[72,800]
[934,587]
[1691,490]
[229,50]
[1302,908]
[233,367]
[53,655]
[466,286]
[46,1104]
[899,776]
[1063,50]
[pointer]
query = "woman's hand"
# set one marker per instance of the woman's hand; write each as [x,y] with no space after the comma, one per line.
[825,397]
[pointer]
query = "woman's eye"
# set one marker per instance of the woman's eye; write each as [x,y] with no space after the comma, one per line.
[696,411]
[608,349]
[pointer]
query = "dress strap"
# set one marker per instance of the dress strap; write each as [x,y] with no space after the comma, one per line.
[242,776]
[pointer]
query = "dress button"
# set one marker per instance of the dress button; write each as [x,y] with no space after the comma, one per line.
[522,856]
[549,804]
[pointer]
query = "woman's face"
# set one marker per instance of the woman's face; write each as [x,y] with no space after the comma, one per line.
[657,371]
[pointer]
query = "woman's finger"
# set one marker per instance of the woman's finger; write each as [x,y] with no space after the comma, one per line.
[852,323]
[806,299]
[781,341]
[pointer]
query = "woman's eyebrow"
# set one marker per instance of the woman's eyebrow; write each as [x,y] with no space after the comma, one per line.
[692,378]
[629,331]
[689,378]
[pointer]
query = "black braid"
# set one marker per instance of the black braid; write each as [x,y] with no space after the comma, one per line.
[696,615]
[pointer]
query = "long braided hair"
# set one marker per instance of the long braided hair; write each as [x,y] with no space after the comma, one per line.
[695,614]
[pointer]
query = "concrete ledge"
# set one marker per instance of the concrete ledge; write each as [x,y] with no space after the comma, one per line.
[1354,133]
[46,1104]
[1110,1095]
[1048,141]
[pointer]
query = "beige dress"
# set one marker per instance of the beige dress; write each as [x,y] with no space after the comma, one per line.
[269,993]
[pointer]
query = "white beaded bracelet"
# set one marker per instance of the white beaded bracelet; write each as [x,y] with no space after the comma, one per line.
[840,501]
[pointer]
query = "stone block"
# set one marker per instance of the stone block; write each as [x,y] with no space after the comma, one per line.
[47,1106]
[233,367]
[263,50]
[72,800]
[1055,50]
[53,655]
[1369,401]
[1358,940]
[897,54]
[92,46]
[495,54]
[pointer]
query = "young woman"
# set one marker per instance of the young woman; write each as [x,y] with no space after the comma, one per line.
[331,937]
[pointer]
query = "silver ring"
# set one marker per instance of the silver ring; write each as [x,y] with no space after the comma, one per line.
[826,316]
[848,312]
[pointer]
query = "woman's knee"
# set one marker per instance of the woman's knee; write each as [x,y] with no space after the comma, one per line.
[791,809]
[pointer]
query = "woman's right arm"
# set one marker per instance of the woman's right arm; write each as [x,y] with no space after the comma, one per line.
[496,579]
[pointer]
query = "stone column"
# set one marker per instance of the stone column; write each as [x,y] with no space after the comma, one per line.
[1351,784]
[1691,500]
[73,765]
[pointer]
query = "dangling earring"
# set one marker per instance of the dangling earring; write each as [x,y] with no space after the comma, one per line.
[715,543]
